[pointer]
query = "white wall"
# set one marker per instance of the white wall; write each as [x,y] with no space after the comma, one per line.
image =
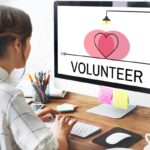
[40,12]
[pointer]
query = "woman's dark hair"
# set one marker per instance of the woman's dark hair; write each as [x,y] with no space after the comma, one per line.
[14,23]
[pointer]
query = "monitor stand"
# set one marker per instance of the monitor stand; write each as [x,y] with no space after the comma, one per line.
[110,111]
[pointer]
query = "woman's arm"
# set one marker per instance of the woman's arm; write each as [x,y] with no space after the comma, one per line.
[29,132]
[62,128]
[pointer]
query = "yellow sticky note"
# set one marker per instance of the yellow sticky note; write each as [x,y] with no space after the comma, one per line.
[120,99]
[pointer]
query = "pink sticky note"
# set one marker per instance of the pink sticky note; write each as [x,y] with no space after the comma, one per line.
[105,95]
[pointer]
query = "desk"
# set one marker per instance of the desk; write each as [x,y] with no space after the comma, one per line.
[137,121]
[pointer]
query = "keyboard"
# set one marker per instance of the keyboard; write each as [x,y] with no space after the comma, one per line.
[84,130]
[80,129]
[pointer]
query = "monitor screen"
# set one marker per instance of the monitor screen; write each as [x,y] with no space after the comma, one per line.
[103,43]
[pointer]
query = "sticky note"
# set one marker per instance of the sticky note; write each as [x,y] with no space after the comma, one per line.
[105,95]
[120,99]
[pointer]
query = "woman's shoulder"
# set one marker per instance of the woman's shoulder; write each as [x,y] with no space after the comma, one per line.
[9,95]
[8,89]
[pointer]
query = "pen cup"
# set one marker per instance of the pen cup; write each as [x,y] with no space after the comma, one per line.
[39,93]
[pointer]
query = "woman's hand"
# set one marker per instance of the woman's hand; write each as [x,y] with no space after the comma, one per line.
[63,125]
[46,114]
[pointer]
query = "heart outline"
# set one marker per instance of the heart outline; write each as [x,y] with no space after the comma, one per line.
[106,35]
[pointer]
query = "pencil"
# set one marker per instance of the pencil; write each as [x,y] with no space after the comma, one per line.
[30,78]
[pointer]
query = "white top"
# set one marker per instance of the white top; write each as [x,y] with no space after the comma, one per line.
[20,128]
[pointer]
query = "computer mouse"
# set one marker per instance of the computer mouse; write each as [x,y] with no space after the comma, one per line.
[116,137]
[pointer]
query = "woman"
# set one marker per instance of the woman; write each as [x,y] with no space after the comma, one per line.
[20,128]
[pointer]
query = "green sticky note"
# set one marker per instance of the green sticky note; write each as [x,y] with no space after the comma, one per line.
[120,99]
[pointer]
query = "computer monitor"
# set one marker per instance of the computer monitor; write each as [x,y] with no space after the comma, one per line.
[103,43]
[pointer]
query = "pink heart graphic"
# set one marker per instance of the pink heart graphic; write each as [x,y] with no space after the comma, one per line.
[106,43]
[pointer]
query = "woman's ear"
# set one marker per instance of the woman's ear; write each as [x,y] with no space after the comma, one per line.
[16,45]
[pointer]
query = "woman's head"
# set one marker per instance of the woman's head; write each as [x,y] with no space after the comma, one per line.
[15,32]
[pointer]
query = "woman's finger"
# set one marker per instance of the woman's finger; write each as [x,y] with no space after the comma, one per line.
[58,117]
[47,110]
[47,117]
[43,111]
[54,113]
[72,122]
[67,119]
